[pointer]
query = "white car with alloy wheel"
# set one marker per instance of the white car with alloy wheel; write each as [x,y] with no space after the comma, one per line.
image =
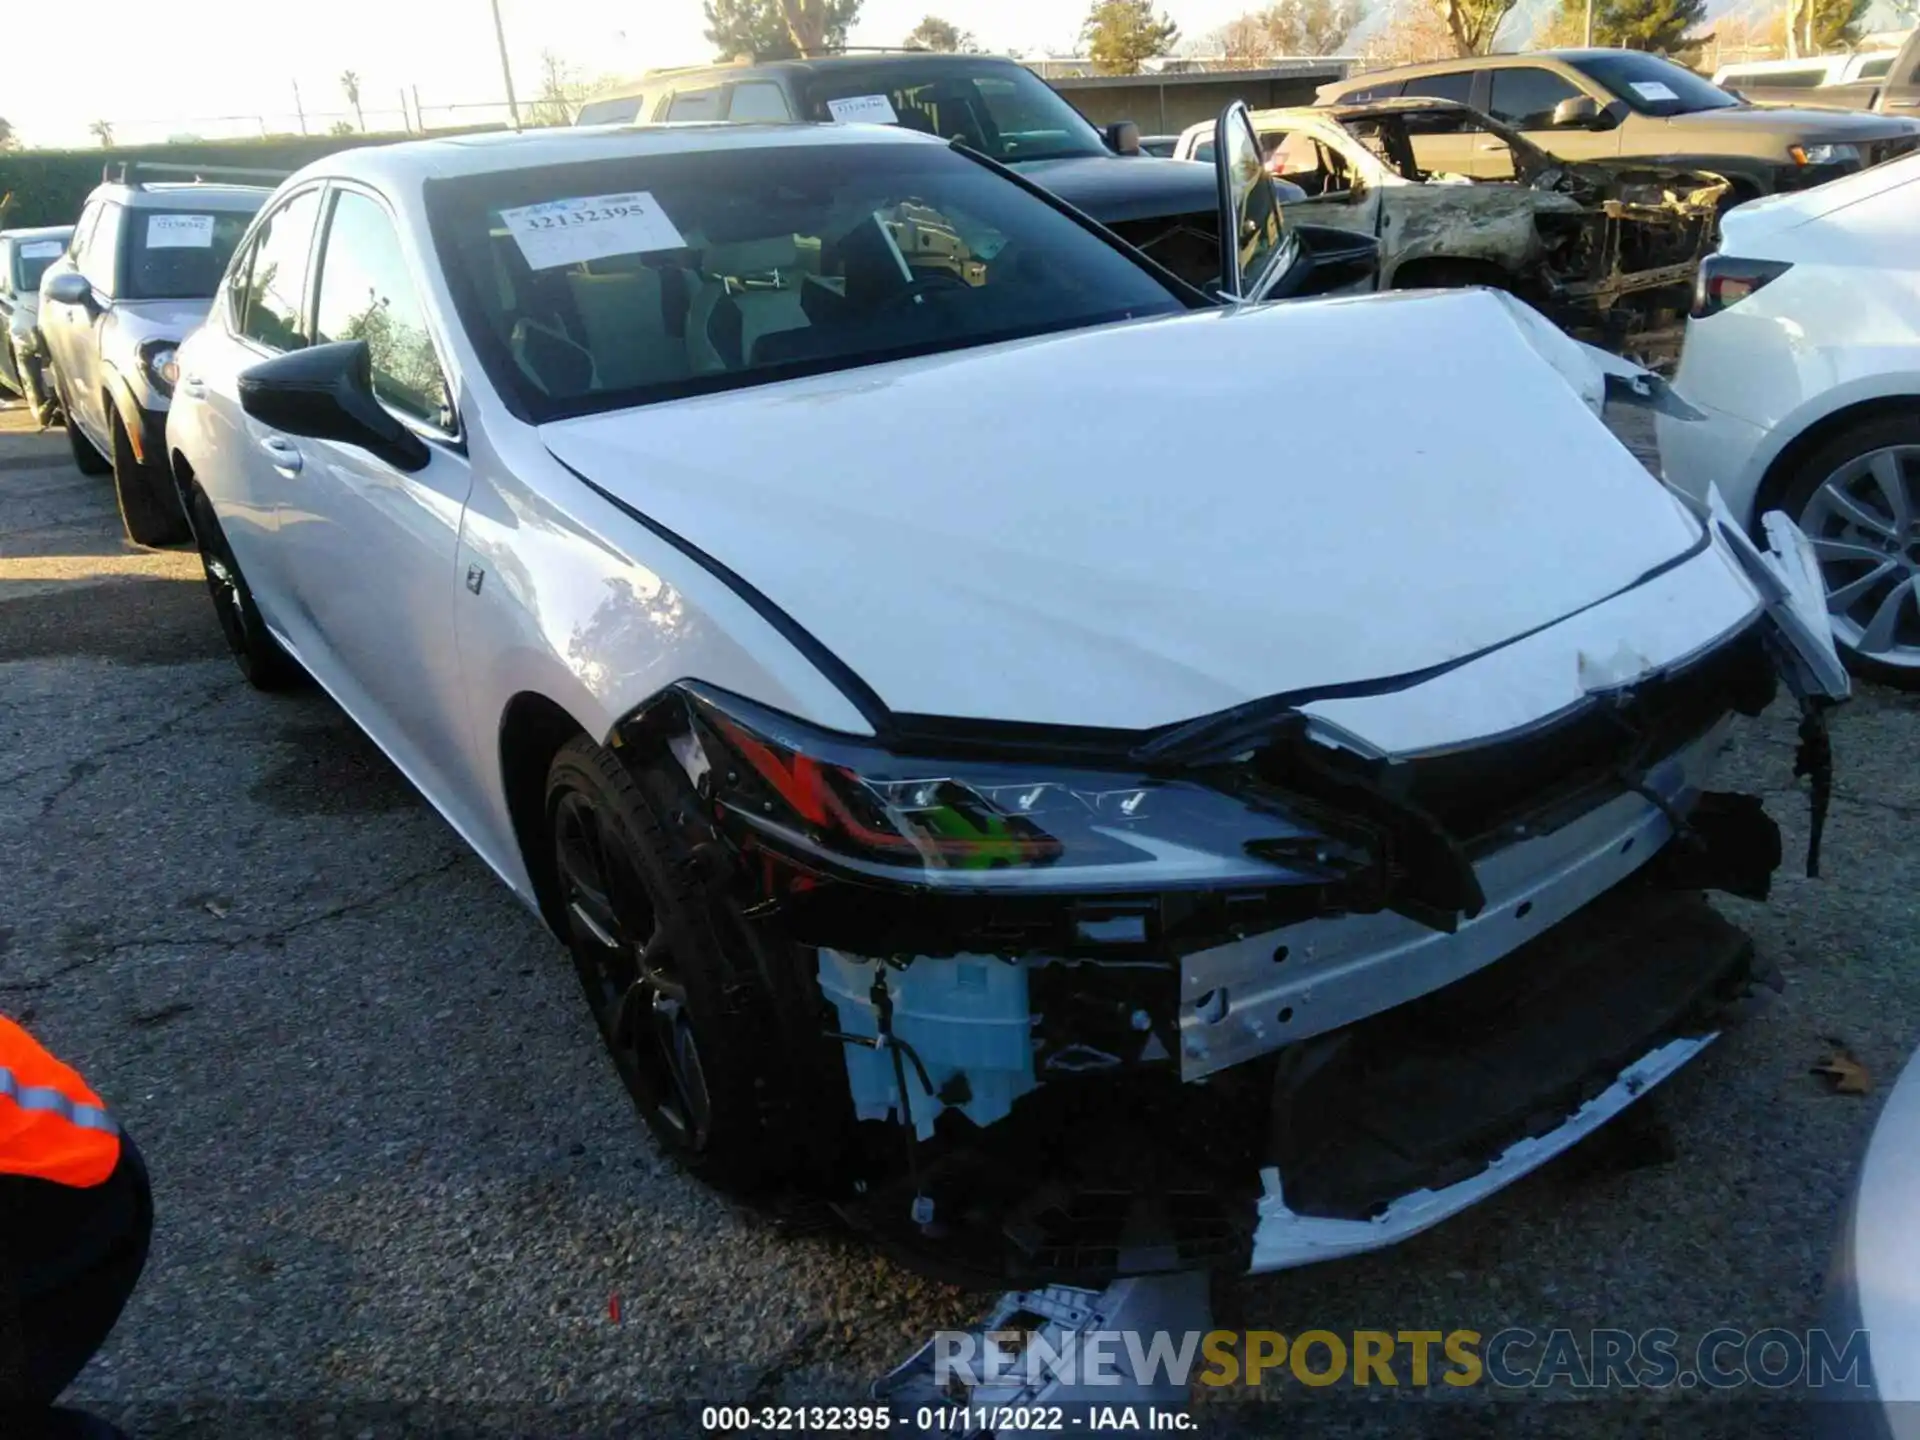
[1803,358]
[1067,844]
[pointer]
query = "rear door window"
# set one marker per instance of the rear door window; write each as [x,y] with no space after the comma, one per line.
[695,105]
[619,110]
[1455,85]
[1525,96]
[758,100]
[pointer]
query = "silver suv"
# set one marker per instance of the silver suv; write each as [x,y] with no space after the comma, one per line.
[24,255]
[138,275]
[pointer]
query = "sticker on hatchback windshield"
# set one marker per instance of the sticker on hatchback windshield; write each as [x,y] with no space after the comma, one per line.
[180,232]
[1653,90]
[592,227]
[863,110]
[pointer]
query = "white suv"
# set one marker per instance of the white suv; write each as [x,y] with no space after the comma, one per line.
[136,278]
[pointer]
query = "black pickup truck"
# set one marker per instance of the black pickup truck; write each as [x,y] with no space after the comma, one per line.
[998,107]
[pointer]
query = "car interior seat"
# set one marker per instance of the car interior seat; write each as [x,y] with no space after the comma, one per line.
[748,289]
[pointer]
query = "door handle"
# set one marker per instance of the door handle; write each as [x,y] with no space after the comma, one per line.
[194,386]
[282,453]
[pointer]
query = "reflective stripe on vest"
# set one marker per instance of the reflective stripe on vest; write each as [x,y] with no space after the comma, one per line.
[45,1097]
[53,1127]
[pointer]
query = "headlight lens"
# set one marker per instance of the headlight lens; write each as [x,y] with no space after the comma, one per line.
[852,806]
[161,363]
[1824,154]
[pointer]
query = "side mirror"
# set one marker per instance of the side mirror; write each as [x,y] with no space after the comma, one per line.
[1253,237]
[70,287]
[325,392]
[1576,112]
[1123,137]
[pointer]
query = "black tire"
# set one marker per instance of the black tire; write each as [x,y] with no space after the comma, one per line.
[1797,492]
[149,505]
[261,660]
[86,459]
[680,993]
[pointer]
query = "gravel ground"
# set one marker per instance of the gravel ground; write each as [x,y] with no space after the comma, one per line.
[395,1177]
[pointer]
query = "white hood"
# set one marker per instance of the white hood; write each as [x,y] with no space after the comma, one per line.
[1151,521]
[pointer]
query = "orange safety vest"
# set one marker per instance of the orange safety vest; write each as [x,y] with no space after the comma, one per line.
[52,1127]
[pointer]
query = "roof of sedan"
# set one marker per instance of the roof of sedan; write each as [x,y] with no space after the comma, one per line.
[559,145]
[38,232]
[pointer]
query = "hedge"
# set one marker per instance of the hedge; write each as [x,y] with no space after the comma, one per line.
[48,187]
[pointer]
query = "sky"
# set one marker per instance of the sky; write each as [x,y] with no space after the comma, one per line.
[178,67]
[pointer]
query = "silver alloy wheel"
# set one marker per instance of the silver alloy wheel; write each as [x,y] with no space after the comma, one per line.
[1864,522]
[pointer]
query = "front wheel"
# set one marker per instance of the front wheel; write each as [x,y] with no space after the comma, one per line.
[676,1001]
[1858,498]
[259,656]
[86,459]
[149,505]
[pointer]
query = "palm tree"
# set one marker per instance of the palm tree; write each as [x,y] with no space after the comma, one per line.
[102,130]
[350,83]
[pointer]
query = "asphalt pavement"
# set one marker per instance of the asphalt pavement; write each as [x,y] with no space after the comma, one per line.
[399,1186]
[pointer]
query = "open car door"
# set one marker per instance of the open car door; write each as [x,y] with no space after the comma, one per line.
[1261,256]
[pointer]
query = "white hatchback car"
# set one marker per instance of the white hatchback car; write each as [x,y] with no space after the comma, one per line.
[1803,353]
[768,547]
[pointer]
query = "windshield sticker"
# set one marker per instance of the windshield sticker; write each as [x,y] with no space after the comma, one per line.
[592,227]
[40,249]
[180,232]
[863,110]
[1653,90]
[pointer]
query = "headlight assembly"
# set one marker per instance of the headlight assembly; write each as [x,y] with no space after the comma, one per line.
[158,360]
[849,806]
[1824,154]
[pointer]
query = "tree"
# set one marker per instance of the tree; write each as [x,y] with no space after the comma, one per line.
[1414,31]
[102,130]
[1659,26]
[759,29]
[933,33]
[350,82]
[340,127]
[1836,24]
[1473,25]
[1122,33]
[561,90]
[1290,27]
[9,139]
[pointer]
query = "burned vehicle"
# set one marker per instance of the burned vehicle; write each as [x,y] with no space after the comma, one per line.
[1454,197]
[757,542]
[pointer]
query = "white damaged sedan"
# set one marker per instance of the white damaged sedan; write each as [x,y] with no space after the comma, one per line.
[1070,843]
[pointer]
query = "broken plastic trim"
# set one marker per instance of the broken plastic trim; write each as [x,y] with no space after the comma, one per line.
[1286,1239]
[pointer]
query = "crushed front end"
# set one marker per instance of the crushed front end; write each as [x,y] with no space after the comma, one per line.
[1286,982]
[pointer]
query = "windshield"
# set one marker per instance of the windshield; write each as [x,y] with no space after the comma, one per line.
[1651,85]
[180,254]
[1002,110]
[30,261]
[597,286]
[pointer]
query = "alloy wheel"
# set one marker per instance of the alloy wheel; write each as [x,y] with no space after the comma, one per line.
[629,961]
[224,586]
[1864,522]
